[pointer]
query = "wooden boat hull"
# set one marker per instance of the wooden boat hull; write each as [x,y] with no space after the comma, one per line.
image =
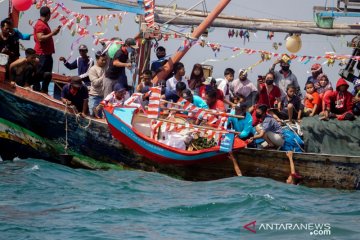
[119,121]
[44,116]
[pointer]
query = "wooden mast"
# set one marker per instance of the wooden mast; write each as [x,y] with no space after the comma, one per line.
[14,15]
[196,34]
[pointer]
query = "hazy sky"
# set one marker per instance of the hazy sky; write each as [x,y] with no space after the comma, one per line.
[280,9]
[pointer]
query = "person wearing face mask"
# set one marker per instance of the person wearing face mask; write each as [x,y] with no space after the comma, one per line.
[270,130]
[290,105]
[116,71]
[268,92]
[156,66]
[284,77]
[243,86]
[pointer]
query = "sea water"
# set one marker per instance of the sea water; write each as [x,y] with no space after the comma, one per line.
[42,200]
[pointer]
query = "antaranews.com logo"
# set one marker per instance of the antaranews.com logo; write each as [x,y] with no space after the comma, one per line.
[314,229]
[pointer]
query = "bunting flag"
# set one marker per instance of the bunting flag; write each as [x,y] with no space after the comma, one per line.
[68,18]
[106,41]
[149,6]
[154,103]
[135,98]
[155,127]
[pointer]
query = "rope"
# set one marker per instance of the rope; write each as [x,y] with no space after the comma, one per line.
[77,121]
[66,129]
[180,14]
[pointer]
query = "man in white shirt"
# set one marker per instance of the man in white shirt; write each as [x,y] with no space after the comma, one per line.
[224,85]
[179,73]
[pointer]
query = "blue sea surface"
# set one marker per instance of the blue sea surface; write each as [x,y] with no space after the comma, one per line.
[42,200]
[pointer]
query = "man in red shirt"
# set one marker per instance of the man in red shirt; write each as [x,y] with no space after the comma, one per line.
[213,102]
[44,47]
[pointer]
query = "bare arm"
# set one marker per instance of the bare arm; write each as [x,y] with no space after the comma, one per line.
[42,37]
[289,154]
[66,101]
[260,135]
[117,63]
[139,87]
[17,63]
[313,110]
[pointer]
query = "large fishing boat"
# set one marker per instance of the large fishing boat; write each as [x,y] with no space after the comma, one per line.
[33,124]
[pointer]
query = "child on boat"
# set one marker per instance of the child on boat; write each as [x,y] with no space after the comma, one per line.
[323,87]
[290,105]
[311,101]
[225,85]
[339,103]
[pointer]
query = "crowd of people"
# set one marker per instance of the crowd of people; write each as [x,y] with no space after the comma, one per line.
[274,99]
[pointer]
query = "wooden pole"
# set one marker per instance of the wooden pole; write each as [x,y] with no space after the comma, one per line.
[206,110]
[196,34]
[254,24]
[198,126]
[194,126]
[195,17]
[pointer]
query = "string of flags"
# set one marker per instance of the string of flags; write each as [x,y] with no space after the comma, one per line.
[149,6]
[77,22]
[330,57]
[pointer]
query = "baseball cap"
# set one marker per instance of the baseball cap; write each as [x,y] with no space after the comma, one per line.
[75,81]
[119,87]
[131,43]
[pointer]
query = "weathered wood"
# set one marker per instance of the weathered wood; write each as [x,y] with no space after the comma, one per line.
[255,25]
[194,17]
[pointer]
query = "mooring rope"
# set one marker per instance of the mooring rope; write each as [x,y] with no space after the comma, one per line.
[77,121]
[66,129]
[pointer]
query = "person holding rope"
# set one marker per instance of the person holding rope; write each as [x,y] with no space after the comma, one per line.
[76,93]
[269,129]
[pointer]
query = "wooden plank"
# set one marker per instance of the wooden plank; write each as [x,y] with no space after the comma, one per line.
[252,25]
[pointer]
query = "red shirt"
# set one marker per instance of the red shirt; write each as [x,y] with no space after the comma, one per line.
[202,93]
[45,47]
[218,106]
[311,103]
[268,99]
